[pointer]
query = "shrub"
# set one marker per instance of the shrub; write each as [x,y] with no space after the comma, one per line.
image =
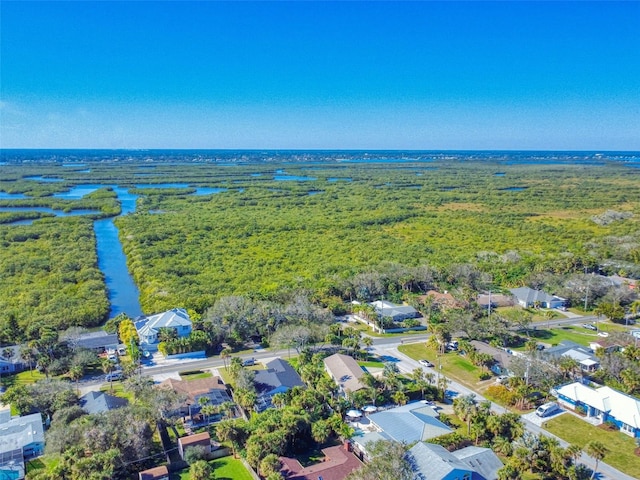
[502,394]
[484,376]
[581,410]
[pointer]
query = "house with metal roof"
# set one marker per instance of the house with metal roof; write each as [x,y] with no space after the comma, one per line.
[603,404]
[408,424]
[21,438]
[397,313]
[528,297]
[99,341]
[278,377]
[585,357]
[149,327]
[345,371]
[434,462]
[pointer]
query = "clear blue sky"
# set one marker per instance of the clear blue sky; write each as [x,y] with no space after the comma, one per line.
[370,75]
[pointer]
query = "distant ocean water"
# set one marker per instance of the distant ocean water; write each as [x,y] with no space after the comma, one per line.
[81,157]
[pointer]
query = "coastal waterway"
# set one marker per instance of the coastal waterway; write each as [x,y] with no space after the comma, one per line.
[122,292]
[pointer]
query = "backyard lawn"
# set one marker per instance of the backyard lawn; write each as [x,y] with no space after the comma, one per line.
[226,468]
[621,447]
[22,378]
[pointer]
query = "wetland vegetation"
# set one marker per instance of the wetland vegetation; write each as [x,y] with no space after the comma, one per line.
[263,235]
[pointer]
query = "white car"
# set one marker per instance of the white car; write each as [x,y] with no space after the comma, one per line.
[502,379]
[603,334]
[425,363]
[113,376]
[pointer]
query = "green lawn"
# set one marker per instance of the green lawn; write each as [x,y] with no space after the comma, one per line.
[22,378]
[621,447]
[195,375]
[371,364]
[116,389]
[556,335]
[226,468]
[453,365]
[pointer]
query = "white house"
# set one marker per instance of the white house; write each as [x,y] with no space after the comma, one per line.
[603,404]
[149,327]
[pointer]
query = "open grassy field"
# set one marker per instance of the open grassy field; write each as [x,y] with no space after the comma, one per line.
[556,335]
[621,447]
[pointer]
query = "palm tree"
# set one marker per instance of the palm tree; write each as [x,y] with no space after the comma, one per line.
[28,355]
[224,355]
[400,398]
[75,374]
[574,451]
[598,451]
[465,406]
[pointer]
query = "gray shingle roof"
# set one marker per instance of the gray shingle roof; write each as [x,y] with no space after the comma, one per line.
[98,402]
[279,373]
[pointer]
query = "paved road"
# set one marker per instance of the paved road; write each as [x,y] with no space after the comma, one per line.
[407,365]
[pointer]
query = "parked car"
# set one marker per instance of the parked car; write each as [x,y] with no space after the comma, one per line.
[122,351]
[425,363]
[547,409]
[503,379]
[113,358]
[603,334]
[110,377]
[589,326]
[248,362]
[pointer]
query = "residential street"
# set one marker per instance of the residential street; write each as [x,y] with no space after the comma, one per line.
[406,365]
[383,346]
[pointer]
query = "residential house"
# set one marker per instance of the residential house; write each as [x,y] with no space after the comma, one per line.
[345,371]
[99,341]
[414,422]
[584,356]
[156,473]
[211,388]
[99,402]
[202,439]
[149,327]
[397,313]
[612,344]
[434,462]
[278,377]
[337,463]
[443,301]
[502,359]
[528,297]
[603,404]
[21,438]
[10,360]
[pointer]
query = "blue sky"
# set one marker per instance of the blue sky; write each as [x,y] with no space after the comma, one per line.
[352,75]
